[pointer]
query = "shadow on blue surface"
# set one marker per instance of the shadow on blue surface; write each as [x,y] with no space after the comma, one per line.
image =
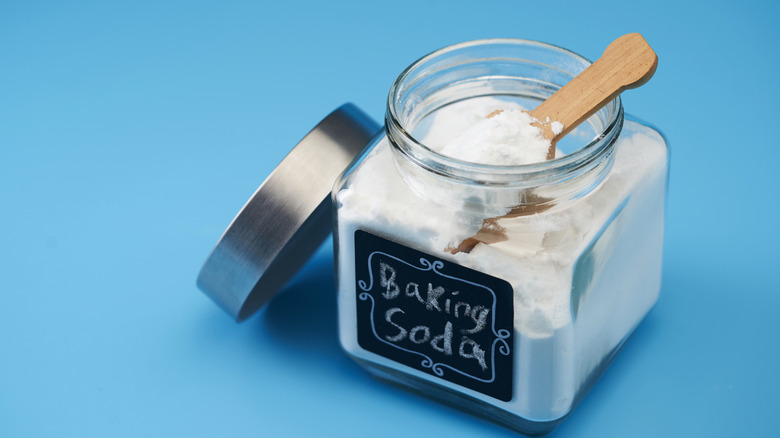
[300,324]
[303,316]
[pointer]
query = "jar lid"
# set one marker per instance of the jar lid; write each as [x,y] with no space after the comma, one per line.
[287,218]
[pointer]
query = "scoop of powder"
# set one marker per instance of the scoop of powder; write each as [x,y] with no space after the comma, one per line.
[507,138]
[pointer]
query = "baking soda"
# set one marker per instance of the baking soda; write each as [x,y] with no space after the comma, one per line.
[508,138]
[584,273]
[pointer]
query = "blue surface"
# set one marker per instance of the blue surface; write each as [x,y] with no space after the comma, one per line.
[132,133]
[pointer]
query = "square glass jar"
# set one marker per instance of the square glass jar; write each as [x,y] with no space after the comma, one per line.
[503,290]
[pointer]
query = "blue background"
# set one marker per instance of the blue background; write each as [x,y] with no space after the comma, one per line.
[131,133]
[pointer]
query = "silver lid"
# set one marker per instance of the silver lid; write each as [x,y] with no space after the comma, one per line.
[287,218]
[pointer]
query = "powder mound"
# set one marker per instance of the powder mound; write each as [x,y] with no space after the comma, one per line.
[507,139]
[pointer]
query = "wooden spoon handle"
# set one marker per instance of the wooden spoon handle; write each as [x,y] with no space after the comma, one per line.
[626,63]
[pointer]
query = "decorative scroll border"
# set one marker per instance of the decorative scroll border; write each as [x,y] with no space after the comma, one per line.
[501,335]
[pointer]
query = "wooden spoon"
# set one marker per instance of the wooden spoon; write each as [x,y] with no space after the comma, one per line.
[627,62]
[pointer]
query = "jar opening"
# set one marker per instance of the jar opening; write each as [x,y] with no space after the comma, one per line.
[526,71]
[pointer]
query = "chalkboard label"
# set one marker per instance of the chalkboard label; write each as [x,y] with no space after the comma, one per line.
[435,316]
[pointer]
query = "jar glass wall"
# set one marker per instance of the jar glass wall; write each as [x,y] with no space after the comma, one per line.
[503,290]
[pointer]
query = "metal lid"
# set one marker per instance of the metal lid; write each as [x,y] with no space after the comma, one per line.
[287,218]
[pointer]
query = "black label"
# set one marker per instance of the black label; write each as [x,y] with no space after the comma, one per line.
[435,316]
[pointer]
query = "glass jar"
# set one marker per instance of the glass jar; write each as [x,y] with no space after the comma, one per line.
[502,290]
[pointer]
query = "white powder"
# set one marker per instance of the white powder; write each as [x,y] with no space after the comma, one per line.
[557,127]
[598,258]
[507,138]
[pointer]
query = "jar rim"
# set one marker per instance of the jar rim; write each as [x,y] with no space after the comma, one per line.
[432,160]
